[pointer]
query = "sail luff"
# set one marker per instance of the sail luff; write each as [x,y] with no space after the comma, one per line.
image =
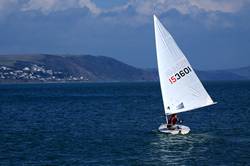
[159,66]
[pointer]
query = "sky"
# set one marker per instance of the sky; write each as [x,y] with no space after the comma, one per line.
[213,34]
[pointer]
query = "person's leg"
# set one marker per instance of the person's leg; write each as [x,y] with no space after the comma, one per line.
[172,127]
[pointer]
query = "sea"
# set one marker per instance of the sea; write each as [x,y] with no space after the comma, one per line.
[115,124]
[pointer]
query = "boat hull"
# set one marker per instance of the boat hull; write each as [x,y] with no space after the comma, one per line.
[180,129]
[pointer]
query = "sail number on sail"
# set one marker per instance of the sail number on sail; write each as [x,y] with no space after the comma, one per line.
[180,74]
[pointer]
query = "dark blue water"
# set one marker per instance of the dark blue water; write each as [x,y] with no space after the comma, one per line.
[116,124]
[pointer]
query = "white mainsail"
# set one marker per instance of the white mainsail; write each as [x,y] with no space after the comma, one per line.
[180,87]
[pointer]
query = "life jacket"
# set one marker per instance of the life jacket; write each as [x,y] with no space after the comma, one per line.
[172,120]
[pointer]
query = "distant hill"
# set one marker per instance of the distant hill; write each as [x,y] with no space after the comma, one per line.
[55,68]
[45,67]
[243,72]
[220,75]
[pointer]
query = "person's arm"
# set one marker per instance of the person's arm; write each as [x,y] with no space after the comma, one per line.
[174,121]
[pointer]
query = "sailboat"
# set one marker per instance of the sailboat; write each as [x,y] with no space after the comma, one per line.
[180,87]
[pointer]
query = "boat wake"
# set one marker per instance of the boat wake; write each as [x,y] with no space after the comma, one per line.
[180,149]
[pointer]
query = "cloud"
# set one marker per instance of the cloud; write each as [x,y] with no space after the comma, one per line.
[91,6]
[148,7]
[132,11]
[141,7]
[47,6]
[7,5]
[208,12]
[226,6]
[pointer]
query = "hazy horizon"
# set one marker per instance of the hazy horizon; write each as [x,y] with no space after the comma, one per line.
[141,67]
[212,34]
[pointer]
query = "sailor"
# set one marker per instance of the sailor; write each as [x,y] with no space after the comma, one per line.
[172,122]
